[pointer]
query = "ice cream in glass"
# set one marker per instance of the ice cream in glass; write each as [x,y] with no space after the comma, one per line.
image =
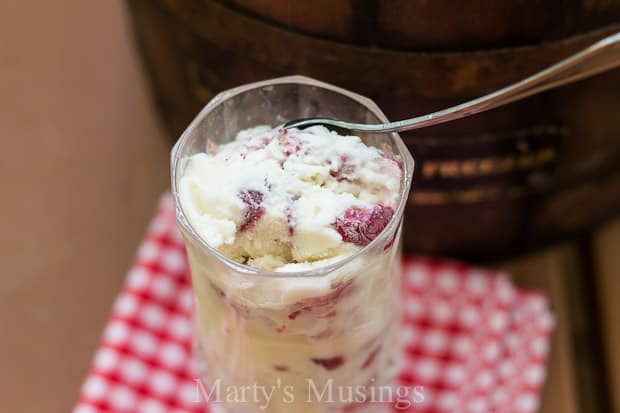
[293,239]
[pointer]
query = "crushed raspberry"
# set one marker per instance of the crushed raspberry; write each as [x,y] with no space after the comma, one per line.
[294,314]
[371,357]
[289,221]
[267,184]
[323,335]
[318,305]
[217,290]
[291,143]
[278,367]
[254,211]
[253,144]
[331,314]
[338,290]
[241,309]
[360,226]
[387,153]
[344,170]
[389,244]
[329,363]
[256,143]
[211,146]
[398,165]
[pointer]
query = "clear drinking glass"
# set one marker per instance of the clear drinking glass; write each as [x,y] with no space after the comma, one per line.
[324,340]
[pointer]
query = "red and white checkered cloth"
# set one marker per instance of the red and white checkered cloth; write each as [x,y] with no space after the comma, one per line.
[473,341]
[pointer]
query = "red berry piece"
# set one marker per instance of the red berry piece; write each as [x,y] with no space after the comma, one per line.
[391,156]
[389,244]
[294,314]
[217,290]
[338,290]
[398,165]
[329,363]
[344,170]
[254,211]
[211,146]
[359,226]
[323,335]
[241,309]
[278,367]
[371,357]
[253,144]
[291,143]
[257,143]
[331,314]
[289,221]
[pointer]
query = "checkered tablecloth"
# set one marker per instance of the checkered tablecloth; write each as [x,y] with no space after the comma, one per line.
[474,342]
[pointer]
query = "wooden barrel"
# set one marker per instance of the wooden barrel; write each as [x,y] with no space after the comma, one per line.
[497,184]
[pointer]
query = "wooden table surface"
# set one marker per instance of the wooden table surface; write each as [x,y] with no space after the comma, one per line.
[83,162]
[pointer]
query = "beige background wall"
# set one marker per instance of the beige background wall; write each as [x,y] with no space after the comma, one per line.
[82,163]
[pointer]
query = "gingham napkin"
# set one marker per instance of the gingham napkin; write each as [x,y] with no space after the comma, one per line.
[474,342]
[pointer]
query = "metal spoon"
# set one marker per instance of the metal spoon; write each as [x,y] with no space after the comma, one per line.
[599,57]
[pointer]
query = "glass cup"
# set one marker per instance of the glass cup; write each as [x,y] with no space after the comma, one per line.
[323,340]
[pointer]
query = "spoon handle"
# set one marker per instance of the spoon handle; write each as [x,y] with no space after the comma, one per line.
[599,57]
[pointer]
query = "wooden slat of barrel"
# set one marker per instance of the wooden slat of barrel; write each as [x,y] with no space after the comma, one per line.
[606,254]
[578,366]
[306,17]
[437,25]
[370,70]
[478,24]
[545,271]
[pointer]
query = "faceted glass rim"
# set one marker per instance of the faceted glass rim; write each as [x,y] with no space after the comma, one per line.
[391,228]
